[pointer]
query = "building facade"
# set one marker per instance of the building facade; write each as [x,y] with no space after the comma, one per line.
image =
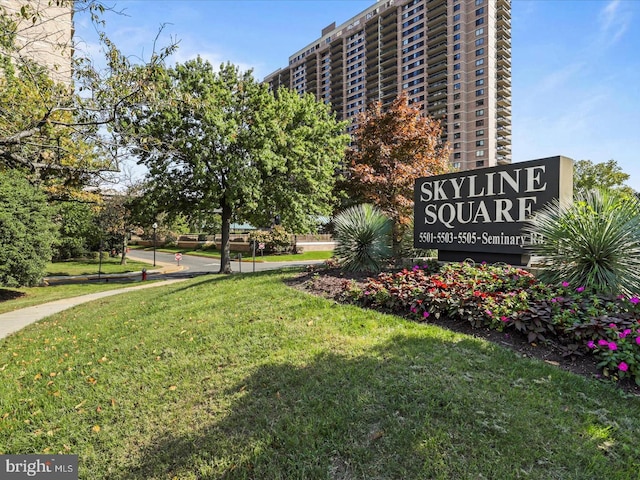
[451,57]
[44,34]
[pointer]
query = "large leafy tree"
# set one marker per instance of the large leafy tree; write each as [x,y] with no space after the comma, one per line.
[608,175]
[62,133]
[26,231]
[391,148]
[222,141]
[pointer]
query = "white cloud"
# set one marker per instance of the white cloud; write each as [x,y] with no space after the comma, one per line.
[614,22]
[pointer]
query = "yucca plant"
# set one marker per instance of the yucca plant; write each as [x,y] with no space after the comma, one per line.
[363,238]
[593,243]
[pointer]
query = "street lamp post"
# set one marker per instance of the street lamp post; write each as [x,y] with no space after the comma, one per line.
[155,227]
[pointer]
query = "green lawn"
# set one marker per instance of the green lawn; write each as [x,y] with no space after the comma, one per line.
[242,377]
[92,267]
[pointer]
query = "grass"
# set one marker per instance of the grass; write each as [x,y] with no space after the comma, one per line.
[301,257]
[15,298]
[241,377]
[91,267]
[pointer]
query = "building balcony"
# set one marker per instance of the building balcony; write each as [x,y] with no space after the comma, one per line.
[503,20]
[503,140]
[436,67]
[503,61]
[436,37]
[503,41]
[504,131]
[503,101]
[503,159]
[436,29]
[436,87]
[436,7]
[442,46]
[503,81]
[506,31]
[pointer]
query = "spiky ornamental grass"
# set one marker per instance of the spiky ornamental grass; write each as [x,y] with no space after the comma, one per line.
[594,242]
[363,238]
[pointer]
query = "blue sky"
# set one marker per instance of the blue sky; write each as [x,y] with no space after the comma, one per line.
[575,63]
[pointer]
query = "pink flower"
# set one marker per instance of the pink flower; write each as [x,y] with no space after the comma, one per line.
[613,346]
[638,340]
[488,312]
[565,284]
[612,325]
[413,309]
[580,289]
[426,314]
[591,344]
[624,333]
[623,366]
[602,342]
[634,300]
[504,319]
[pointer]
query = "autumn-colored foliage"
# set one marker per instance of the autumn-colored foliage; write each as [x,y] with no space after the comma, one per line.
[391,148]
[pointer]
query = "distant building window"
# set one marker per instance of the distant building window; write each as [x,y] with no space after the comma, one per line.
[479,92]
[457,155]
[479,32]
[456,86]
[480,153]
[479,62]
[456,27]
[456,135]
[480,102]
[456,66]
[479,82]
[479,21]
[479,143]
[479,123]
[479,52]
[456,76]
[456,116]
[456,165]
[479,42]
[480,163]
[479,72]
[480,113]
[456,146]
[480,11]
[456,47]
[456,7]
[479,133]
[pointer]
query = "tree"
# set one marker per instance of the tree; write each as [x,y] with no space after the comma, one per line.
[306,145]
[26,231]
[391,148]
[590,176]
[63,133]
[222,141]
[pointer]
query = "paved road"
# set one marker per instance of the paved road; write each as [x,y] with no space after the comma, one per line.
[195,265]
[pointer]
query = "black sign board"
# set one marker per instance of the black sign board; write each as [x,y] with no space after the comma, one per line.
[480,213]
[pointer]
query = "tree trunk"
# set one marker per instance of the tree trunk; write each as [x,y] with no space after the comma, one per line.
[225,253]
[123,259]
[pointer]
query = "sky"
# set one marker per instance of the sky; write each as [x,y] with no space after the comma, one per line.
[575,63]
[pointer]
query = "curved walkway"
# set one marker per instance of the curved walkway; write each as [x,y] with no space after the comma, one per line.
[11,322]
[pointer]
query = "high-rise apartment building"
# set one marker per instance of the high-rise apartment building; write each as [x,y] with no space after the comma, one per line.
[451,57]
[44,34]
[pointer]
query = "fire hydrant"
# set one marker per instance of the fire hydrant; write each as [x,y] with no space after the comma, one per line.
[144,274]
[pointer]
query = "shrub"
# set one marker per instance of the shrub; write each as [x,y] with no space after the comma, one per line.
[26,231]
[363,238]
[275,240]
[594,242]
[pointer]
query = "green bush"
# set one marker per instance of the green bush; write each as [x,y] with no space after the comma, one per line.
[594,242]
[276,240]
[363,239]
[26,231]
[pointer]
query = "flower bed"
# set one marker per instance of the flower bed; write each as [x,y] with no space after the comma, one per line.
[503,298]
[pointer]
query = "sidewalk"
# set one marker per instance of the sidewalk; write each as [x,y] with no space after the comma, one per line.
[11,322]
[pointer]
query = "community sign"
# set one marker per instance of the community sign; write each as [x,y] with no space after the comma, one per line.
[480,214]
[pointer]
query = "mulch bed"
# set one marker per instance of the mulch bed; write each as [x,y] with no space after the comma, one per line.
[329,283]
